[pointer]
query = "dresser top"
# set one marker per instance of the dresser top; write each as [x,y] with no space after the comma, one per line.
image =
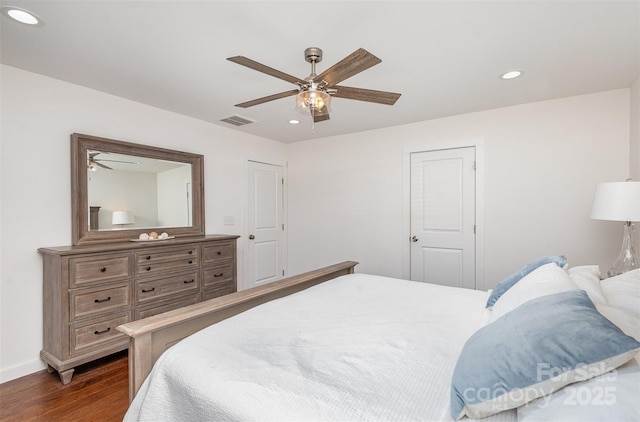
[121,246]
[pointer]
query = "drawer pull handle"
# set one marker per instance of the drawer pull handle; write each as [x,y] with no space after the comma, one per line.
[103,269]
[102,332]
[190,262]
[149,290]
[219,252]
[148,257]
[218,275]
[148,268]
[102,300]
[189,281]
[190,252]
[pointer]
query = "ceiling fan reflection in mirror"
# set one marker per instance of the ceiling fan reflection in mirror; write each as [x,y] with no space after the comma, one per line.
[93,162]
[314,93]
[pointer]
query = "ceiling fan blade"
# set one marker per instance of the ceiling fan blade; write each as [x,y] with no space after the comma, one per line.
[268,98]
[351,65]
[102,165]
[251,64]
[116,161]
[320,117]
[369,95]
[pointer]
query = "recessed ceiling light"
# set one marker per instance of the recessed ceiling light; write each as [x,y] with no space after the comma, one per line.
[294,122]
[512,74]
[22,16]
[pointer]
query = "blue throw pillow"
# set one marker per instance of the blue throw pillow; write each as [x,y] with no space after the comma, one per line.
[534,350]
[508,282]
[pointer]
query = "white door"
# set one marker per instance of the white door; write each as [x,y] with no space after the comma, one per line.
[443,217]
[265,260]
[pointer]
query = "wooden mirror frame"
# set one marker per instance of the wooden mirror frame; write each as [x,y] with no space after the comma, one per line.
[81,234]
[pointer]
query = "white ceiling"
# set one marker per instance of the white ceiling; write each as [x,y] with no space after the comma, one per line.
[445,57]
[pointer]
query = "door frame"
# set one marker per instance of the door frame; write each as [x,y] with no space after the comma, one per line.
[243,242]
[425,146]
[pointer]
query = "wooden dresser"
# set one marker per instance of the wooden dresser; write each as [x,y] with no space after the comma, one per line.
[90,290]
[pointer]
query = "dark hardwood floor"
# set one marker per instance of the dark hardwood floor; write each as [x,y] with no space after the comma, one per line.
[97,392]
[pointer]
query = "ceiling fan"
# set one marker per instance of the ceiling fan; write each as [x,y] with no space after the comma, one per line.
[313,95]
[94,162]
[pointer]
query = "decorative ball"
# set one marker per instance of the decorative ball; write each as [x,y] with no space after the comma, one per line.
[163,235]
[153,235]
[143,236]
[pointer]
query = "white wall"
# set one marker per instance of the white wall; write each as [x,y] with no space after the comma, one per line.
[124,191]
[174,198]
[634,155]
[542,162]
[38,114]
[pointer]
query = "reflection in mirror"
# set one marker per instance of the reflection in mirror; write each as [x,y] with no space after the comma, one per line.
[120,190]
[127,192]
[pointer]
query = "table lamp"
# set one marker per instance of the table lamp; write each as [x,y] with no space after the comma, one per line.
[122,217]
[619,201]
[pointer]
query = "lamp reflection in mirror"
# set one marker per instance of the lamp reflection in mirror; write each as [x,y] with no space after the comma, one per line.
[120,218]
[619,201]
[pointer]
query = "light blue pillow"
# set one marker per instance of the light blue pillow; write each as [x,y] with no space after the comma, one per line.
[534,350]
[508,282]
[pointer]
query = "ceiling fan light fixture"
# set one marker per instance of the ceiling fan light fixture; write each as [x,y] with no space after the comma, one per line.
[312,101]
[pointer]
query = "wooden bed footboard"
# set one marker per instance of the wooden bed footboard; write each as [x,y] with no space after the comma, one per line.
[150,337]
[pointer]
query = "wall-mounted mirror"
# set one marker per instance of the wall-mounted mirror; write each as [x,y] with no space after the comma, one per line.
[121,189]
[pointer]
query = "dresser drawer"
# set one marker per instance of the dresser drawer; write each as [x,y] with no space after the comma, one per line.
[219,251]
[88,270]
[158,288]
[98,301]
[98,332]
[155,310]
[162,261]
[218,276]
[155,255]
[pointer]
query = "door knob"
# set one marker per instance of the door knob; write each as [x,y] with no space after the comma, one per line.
[414,239]
[251,237]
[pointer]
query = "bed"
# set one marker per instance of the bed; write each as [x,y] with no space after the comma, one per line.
[337,345]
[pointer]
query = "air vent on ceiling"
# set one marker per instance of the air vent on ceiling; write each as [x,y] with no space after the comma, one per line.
[237,120]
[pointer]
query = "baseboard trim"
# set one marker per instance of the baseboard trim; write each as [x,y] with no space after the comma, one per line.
[21,370]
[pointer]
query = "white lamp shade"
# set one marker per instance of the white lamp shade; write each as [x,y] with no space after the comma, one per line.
[122,217]
[617,201]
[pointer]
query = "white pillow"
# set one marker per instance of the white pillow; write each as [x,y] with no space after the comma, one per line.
[623,291]
[542,281]
[587,277]
[628,322]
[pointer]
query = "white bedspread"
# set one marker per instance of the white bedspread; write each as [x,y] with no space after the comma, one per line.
[358,347]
